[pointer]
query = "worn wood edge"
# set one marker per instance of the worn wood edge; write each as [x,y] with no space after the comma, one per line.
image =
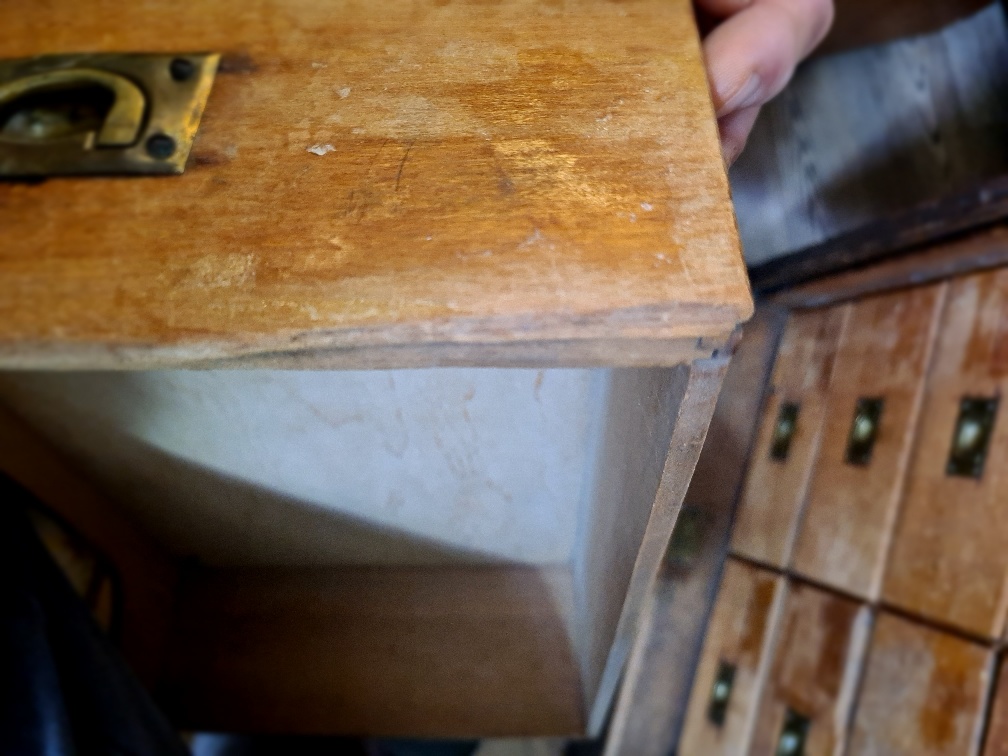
[973,252]
[644,337]
[308,684]
[651,706]
[148,574]
[927,224]
[695,410]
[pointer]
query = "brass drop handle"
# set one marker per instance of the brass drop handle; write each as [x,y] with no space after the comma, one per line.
[123,120]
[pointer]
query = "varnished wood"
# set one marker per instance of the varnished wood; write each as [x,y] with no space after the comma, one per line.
[996,739]
[500,175]
[771,502]
[981,250]
[652,701]
[815,671]
[948,560]
[922,694]
[847,525]
[742,632]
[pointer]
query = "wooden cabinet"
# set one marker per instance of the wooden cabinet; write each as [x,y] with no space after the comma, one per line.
[805,704]
[871,414]
[789,432]
[740,639]
[948,560]
[376,188]
[923,692]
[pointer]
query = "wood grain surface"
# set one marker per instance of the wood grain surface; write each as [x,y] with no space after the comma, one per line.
[996,739]
[815,671]
[849,516]
[435,652]
[742,633]
[948,560]
[499,174]
[922,694]
[651,704]
[770,507]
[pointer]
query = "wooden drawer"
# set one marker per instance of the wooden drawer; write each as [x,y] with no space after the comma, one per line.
[923,692]
[375,188]
[740,638]
[948,560]
[807,697]
[996,739]
[856,488]
[779,470]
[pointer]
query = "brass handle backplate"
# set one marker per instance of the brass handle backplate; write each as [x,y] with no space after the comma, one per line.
[101,113]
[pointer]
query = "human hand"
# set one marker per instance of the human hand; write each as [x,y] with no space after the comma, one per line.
[752,49]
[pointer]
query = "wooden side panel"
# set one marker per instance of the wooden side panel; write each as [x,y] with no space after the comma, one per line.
[851,507]
[948,560]
[922,695]
[996,740]
[418,652]
[147,573]
[741,633]
[774,489]
[651,705]
[814,672]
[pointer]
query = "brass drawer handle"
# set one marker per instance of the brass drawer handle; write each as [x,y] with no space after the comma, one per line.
[101,113]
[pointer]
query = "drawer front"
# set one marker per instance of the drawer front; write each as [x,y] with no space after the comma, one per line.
[739,639]
[781,463]
[871,413]
[948,560]
[923,692]
[806,700]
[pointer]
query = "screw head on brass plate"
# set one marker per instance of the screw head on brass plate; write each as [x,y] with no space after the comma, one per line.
[101,113]
[864,431]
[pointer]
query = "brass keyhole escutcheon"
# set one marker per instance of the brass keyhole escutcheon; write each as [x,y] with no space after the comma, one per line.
[717,709]
[793,735]
[971,437]
[864,430]
[784,431]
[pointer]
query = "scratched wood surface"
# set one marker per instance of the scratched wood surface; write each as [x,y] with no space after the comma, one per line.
[922,694]
[771,501]
[814,672]
[948,561]
[740,633]
[851,508]
[500,174]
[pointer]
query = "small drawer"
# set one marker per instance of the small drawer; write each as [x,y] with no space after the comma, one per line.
[948,559]
[923,692]
[739,639]
[788,436]
[806,700]
[872,410]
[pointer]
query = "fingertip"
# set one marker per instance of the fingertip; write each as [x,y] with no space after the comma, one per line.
[734,130]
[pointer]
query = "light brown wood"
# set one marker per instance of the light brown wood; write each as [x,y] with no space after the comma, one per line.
[815,670]
[501,175]
[770,507]
[922,695]
[982,250]
[742,633]
[652,701]
[647,459]
[435,652]
[849,516]
[147,573]
[996,738]
[948,560]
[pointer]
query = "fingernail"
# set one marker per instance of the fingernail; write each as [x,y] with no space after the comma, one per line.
[743,97]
